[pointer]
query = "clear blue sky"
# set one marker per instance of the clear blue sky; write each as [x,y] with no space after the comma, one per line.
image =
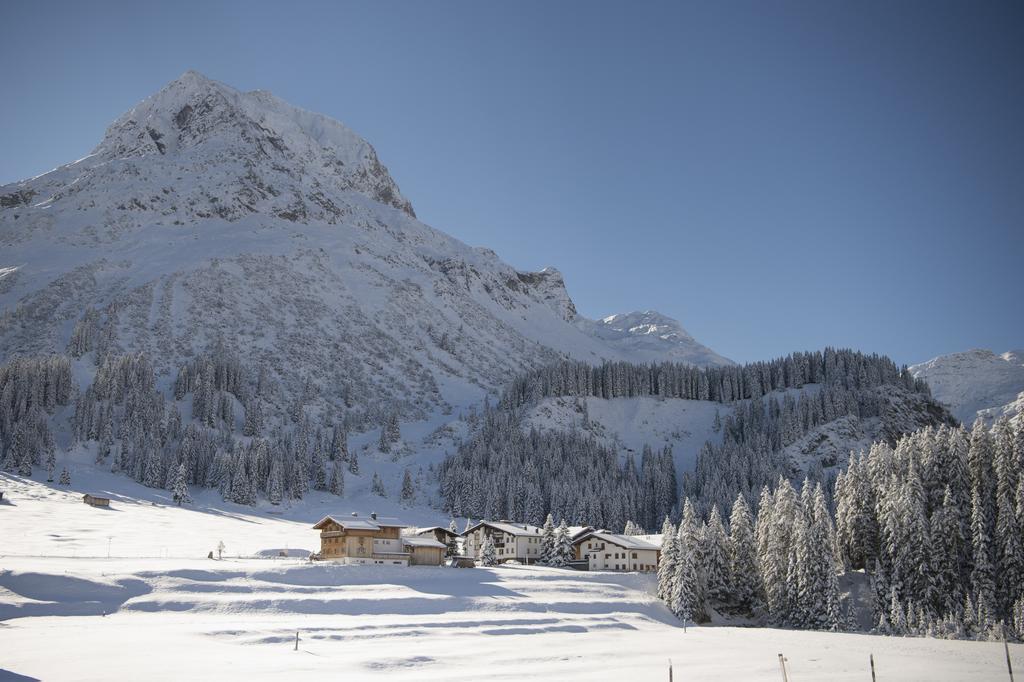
[777,175]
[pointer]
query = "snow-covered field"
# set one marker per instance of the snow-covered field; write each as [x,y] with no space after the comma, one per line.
[159,610]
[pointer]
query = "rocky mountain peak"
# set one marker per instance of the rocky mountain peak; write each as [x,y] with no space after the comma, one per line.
[211,127]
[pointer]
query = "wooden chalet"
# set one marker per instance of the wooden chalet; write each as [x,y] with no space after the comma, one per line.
[354,539]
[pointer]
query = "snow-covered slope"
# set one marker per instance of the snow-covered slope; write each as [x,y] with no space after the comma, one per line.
[158,609]
[649,336]
[207,213]
[630,423]
[976,383]
[686,425]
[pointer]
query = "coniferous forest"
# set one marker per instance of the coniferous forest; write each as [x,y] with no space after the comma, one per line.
[934,524]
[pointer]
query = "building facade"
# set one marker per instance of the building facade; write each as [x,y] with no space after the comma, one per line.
[512,541]
[370,540]
[612,552]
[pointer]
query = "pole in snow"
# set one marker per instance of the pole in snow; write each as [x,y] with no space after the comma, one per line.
[782,664]
[871,657]
[1009,666]
[670,670]
[296,640]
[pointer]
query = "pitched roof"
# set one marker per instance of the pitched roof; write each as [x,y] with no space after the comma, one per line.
[624,541]
[358,522]
[507,527]
[576,531]
[416,541]
[421,531]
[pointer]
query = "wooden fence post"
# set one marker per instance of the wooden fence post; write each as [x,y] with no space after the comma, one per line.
[782,664]
[871,657]
[1009,666]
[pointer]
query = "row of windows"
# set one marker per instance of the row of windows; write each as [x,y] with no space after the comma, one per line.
[624,566]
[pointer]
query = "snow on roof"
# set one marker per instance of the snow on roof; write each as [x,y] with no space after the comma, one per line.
[416,541]
[420,531]
[359,522]
[508,527]
[624,541]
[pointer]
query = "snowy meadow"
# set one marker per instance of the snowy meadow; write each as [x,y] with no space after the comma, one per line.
[134,614]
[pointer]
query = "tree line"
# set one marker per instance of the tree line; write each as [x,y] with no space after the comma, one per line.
[849,369]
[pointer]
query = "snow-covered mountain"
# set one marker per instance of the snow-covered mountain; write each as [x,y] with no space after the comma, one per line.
[649,336]
[207,213]
[976,383]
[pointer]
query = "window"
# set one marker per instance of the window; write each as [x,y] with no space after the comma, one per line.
[634,555]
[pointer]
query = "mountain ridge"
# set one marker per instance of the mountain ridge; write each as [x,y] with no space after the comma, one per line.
[206,213]
[976,383]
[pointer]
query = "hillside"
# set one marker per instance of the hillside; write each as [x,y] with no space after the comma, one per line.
[976,383]
[606,444]
[210,214]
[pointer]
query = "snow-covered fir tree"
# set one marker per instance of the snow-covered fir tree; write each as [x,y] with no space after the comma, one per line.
[336,483]
[408,489]
[488,554]
[562,552]
[547,542]
[179,486]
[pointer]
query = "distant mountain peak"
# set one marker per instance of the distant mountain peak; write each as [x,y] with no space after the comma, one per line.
[647,322]
[976,383]
[652,336]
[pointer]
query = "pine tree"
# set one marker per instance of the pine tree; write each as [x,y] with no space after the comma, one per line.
[452,546]
[685,598]
[547,542]
[982,574]
[947,552]
[1017,617]
[714,543]
[275,481]
[408,490]
[563,551]
[353,462]
[336,484]
[488,555]
[65,477]
[339,444]
[317,463]
[377,486]
[389,433]
[179,486]
[743,570]
[667,561]
[897,616]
